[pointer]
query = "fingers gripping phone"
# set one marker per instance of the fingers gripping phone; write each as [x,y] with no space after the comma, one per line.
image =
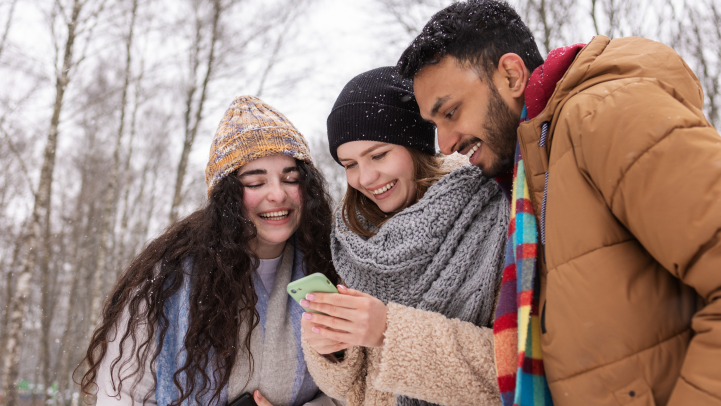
[245,399]
[313,283]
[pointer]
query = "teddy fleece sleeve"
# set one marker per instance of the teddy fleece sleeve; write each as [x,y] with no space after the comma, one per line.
[336,379]
[430,357]
[664,185]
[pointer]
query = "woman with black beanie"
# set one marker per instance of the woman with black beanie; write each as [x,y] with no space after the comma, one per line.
[419,240]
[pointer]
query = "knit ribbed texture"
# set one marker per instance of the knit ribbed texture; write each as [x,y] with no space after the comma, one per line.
[251,129]
[379,105]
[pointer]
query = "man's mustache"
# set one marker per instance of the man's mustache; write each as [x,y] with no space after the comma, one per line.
[466,144]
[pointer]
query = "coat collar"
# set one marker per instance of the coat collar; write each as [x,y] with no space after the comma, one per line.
[550,87]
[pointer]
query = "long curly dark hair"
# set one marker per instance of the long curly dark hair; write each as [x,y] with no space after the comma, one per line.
[222,296]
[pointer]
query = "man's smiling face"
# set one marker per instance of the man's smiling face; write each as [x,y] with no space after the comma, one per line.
[471,116]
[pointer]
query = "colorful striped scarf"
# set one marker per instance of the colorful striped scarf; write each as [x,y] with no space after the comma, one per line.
[517,329]
[519,363]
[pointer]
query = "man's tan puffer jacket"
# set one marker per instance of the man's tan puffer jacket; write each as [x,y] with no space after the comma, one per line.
[631,280]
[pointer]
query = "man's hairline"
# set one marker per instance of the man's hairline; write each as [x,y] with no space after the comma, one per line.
[476,67]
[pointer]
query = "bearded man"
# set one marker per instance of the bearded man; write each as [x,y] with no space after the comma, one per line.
[612,289]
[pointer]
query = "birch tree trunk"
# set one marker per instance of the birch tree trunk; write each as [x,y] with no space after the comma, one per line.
[192,131]
[107,210]
[79,256]
[126,168]
[41,205]
[46,305]
[9,293]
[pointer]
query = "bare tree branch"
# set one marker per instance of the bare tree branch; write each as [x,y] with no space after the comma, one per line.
[21,161]
[274,54]
[190,135]
[593,16]
[8,23]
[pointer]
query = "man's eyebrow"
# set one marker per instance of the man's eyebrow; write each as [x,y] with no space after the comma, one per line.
[439,102]
[253,172]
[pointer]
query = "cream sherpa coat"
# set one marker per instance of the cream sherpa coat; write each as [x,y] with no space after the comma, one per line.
[425,356]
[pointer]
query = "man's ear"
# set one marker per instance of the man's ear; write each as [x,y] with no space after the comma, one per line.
[513,75]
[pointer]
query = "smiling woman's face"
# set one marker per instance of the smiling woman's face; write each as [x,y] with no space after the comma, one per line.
[382,172]
[272,201]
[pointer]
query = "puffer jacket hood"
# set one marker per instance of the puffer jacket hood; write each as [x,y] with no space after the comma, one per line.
[632,57]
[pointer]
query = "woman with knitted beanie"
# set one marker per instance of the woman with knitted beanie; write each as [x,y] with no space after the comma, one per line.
[201,315]
[421,251]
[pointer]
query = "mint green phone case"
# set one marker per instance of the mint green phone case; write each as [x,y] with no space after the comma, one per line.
[313,283]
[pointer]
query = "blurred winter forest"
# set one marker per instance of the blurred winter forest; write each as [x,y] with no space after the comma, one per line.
[108,107]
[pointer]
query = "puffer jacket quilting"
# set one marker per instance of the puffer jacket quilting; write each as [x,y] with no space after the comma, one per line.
[632,227]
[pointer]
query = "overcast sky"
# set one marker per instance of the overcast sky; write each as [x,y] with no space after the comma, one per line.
[345,38]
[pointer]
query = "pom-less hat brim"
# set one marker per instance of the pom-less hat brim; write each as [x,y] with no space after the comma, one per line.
[379,122]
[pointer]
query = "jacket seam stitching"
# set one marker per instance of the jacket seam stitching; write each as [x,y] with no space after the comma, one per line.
[573,146]
[624,358]
[601,100]
[593,250]
[640,79]
[697,388]
[631,166]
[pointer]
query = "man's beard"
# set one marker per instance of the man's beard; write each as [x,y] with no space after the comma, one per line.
[500,125]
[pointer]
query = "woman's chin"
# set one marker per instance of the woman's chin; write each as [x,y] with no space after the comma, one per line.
[390,207]
[277,238]
[274,238]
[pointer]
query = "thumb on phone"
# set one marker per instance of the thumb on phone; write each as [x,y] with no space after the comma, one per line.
[260,400]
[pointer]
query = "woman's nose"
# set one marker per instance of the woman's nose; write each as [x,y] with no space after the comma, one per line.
[368,176]
[276,193]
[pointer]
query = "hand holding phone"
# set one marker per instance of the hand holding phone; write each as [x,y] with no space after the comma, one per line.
[313,283]
[363,320]
[245,399]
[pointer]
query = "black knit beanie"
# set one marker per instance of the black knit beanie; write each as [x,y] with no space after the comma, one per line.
[379,105]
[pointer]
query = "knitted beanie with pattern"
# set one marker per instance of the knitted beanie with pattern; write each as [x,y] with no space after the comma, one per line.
[379,105]
[251,129]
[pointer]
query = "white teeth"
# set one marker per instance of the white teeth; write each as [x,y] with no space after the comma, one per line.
[473,149]
[275,215]
[383,189]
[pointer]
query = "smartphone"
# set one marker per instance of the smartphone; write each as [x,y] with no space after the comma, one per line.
[313,283]
[245,399]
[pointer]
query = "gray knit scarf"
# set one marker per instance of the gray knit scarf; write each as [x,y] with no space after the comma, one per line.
[442,254]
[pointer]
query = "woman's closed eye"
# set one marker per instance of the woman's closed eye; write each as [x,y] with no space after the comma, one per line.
[349,165]
[380,156]
[293,179]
